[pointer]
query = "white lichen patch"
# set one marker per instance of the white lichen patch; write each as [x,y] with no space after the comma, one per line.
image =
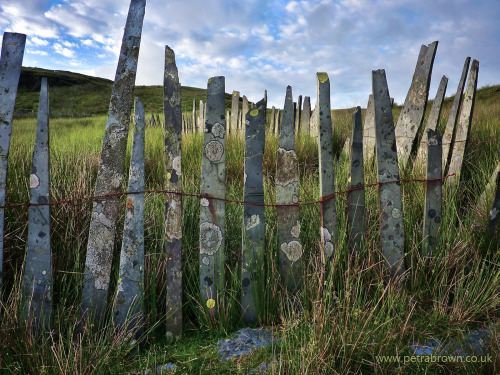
[204,202]
[245,178]
[44,272]
[292,250]
[176,165]
[214,151]
[210,238]
[218,130]
[328,249]
[295,199]
[326,235]
[295,232]
[34,181]
[396,213]
[253,222]
[205,261]
[493,213]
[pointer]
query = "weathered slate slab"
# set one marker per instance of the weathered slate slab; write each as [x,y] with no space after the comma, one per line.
[433,191]
[369,131]
[412,115]
[495,210]
[194,113]
[173,204]
[201,123]
[298,114]
[328,212]
[272,125]
[305,118]
[37,276]
[11,61]
[391,218]
[213,184]
[287,192]
[463,127]
[277,122]
[432,121]
[356,198]
[130,286]
[252,268]
[105,211]
[235,101]
[449,131]
[314,121]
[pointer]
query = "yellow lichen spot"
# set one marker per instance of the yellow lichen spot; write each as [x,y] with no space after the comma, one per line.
[235,93]
[168,176]
[210,303]
[209,81]
[322,77]
[349,180]
[254,112]
[120,280]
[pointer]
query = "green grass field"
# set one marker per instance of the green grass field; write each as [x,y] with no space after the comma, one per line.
[347,318]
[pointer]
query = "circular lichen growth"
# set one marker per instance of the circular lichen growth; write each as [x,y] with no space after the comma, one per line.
[292,250]
[254,112]
[322,77]
[214,151]
[210,238]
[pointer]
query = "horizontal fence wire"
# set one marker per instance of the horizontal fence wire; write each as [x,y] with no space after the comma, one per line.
[323,199]
[444,143]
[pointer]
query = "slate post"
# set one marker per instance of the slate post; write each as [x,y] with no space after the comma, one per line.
[252,268]
[495,210]
[235,101]
[287,192]
[356,198]
[463,127]
[130,286]
[328,214]
[105,212]
[391,218]
[212,211]
[11,61]
[37,276]
[412,114]
[449,131]
[433,192]
[432,121]
[172,100]
[369,131]
[305,118]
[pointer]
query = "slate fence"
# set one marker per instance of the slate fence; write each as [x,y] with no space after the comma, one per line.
[216,125]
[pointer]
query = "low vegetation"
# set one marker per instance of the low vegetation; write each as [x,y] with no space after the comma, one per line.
[348,313]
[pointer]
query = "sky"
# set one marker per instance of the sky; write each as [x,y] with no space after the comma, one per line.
[258,44]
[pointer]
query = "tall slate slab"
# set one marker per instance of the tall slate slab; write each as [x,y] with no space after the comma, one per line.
[433,192]
[449,131]
[432,121]
[482,201]
[369,131]
[194,112]
[244,111]
[128,304]
[252,267]
[298,114]
[314,121]
[328,214]
[235,101]
[391,217]
[305,117]
[287,192]
[277,122]
[37,275]
[356,198]
[495,210]
[213,184]
[200,123]
[173,205]
[412,114]
[463,126]
[105,212]
[11,61]
[272,124]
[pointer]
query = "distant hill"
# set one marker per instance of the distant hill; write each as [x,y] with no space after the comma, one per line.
[78,93]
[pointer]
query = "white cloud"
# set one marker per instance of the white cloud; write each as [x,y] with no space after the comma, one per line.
[58,48]
[35,52]
[39,42]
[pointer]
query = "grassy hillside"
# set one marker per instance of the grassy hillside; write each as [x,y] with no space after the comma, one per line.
[81,94]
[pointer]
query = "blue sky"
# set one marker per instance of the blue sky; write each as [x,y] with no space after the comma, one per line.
[259,44]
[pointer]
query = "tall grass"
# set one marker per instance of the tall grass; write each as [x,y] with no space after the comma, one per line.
[346,313]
